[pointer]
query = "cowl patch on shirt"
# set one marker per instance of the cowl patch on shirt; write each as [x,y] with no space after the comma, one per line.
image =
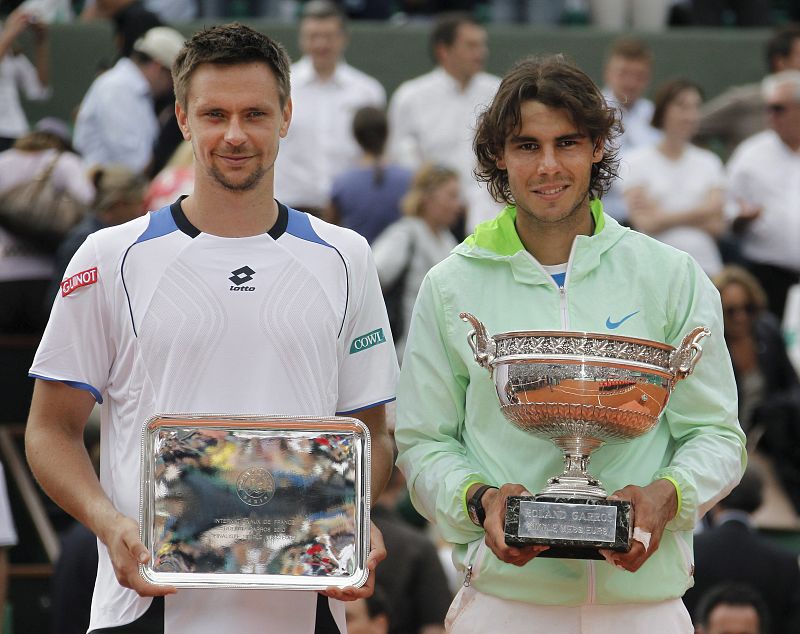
[74,282]
[367,341]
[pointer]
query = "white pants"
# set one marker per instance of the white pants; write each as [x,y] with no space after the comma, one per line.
[473,612]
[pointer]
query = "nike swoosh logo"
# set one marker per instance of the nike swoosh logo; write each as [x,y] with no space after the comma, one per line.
[613,325]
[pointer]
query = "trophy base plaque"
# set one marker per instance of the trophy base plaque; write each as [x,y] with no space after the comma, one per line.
[573,528]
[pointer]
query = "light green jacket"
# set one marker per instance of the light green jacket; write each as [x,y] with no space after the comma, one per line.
[451,433]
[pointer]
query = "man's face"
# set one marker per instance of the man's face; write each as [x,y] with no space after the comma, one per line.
[234,120]
[549,162]
[783,114]
[682,115]
[324,41]
[739,311]
[733,619]
[466,57]
[627,78]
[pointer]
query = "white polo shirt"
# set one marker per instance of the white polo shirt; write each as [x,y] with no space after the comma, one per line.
[433,119]
[765,171]
[320,143]
[154,316]
[117,122]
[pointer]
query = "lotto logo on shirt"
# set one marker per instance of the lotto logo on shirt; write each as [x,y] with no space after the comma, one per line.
[73,283]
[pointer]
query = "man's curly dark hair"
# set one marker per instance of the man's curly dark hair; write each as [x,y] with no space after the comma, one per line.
[556,83]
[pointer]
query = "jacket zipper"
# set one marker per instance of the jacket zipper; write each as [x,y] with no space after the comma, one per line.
[562,290]
[473,560]
[562,298]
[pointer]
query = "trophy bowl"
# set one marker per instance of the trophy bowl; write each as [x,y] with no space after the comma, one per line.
[579,390]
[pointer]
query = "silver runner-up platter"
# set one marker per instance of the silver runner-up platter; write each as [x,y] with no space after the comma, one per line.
[255,502]
[579,390]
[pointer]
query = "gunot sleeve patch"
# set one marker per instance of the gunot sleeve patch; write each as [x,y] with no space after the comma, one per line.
[367,341]
[74,282]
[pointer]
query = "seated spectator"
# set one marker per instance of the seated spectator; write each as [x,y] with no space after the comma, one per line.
[758,563]
[25,270]
[119,197]
[673,189]
[17,73]
[733,609]
[769,390]
[408,248]
[367,198]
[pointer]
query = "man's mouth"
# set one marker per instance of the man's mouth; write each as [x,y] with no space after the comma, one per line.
[549,190]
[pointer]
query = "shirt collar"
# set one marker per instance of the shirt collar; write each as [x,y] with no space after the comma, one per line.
[304,72]
[500,234]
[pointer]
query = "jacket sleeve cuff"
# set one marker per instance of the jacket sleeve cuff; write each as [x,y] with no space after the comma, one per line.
[464,492]
[686,514]
[677,492]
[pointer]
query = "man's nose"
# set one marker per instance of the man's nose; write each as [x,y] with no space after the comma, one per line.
[235,134]
[548,162]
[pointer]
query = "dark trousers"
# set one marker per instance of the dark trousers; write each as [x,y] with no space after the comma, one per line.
[21,303]
[776,281]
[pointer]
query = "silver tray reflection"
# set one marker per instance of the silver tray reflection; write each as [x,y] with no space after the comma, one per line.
[255,502]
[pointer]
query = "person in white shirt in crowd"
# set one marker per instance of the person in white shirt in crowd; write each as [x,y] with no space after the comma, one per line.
[18,73]
[627,74]
[326,92]
[117,122]
[675,190]
[432,117]
[408,248]
[764,183]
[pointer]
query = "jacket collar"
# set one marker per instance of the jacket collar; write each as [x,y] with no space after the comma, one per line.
[497,239]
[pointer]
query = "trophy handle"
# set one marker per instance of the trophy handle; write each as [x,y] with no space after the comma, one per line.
[685,357]
[483,346]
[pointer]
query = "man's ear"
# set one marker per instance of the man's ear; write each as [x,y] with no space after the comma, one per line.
[183,121]
[499,161]
[599,150]
[287,117]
